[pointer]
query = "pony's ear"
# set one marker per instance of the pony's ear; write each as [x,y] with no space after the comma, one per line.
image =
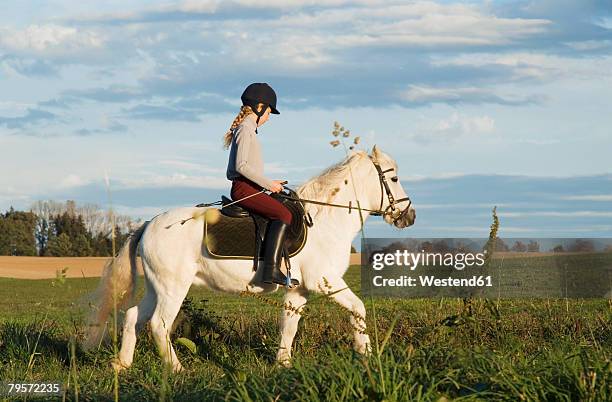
[375,152]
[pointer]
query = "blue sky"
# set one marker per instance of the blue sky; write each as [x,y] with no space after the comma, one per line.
[480,102]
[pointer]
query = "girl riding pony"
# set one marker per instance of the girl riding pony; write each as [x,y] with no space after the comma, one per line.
[245,170]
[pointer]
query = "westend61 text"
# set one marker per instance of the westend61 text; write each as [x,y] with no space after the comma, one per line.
[431,281]
[411,260]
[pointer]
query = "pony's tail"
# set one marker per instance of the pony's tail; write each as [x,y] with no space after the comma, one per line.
[117,286]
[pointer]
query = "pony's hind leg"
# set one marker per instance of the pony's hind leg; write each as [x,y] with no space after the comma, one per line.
[161,325]
[135,318]
[168,304]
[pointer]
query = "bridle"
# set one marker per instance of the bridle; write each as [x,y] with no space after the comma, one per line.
[384,188]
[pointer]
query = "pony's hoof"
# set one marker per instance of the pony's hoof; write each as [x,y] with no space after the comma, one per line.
[285,363]
[178,368]
[364,350]
[118,366]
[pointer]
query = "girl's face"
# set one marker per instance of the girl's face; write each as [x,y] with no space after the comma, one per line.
[264,118]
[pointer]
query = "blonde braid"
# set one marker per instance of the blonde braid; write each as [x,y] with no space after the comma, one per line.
[244,112]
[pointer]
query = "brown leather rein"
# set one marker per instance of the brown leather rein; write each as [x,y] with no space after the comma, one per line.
[384,188]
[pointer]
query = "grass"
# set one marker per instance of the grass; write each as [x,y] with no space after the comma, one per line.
[507,350]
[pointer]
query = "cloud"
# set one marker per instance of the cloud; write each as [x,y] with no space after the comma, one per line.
[175,180]
[28,66]
[112,94]
[180,61]
[49,39]
[558,214]
[461,95]
[531,66]
[591,197]
[456,126]
[322,46]
[112,127]
[33,116]
[72,180]
[160,112]
[186,165]
[439,176]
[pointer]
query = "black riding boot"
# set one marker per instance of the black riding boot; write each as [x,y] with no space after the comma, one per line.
[275,237]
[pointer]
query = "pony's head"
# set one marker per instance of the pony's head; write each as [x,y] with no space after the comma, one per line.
[374,178]
[388,194]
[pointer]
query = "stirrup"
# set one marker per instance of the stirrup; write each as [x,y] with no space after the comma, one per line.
[281,279]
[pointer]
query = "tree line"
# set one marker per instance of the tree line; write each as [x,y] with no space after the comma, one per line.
[56,229]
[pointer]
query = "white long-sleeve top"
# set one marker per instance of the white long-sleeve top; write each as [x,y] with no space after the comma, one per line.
[245,154]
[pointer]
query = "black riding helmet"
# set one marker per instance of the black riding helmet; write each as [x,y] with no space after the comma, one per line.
[259,92]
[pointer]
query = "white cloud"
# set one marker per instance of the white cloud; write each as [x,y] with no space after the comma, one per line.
[466,125]
[145,212]
[464,205]
[72,180]
[176,180]
[439,176]
[557,214]
[428,94]
[540,66]
[456,126]
[531,141]
[49,38]
[481,229]
[589,44]
[592,197]
[190,166]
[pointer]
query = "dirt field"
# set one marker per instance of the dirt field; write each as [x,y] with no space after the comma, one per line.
[78,267]
[47,267]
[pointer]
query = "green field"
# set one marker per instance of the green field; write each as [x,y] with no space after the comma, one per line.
[437,349]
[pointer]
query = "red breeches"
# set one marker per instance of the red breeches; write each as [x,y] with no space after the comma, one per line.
[261,204]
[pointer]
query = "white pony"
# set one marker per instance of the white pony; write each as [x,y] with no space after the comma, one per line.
[174,258]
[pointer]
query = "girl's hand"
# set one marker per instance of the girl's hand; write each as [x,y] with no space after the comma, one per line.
[278,186]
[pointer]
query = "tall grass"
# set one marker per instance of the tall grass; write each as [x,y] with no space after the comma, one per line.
[428,349]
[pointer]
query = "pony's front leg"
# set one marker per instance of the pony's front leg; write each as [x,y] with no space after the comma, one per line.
[338,290]
[295,299]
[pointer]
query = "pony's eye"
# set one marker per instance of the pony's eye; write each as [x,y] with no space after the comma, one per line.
[394,179]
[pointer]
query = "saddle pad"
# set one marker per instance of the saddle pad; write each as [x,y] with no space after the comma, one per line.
[235,238]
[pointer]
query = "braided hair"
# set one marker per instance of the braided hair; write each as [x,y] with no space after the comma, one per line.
[244,112]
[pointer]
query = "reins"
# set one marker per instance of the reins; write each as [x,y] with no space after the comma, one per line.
[350,206]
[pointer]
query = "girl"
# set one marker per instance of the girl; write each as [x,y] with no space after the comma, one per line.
[245,169]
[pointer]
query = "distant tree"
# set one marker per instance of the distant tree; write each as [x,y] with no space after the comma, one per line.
[558,249]
[427,246]
[96,219]
[608,248]
[59,246]
[42,233]
[441,246]
[396,245]
[17,230]
[102,243]
[582,245]
[519,246]
[81,246]
[533,246]
[353,249]
[501,245]
[72,225]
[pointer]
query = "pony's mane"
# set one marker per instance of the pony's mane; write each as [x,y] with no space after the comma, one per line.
[322,186]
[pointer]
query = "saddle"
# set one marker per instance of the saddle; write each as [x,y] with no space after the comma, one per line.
[240,234]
